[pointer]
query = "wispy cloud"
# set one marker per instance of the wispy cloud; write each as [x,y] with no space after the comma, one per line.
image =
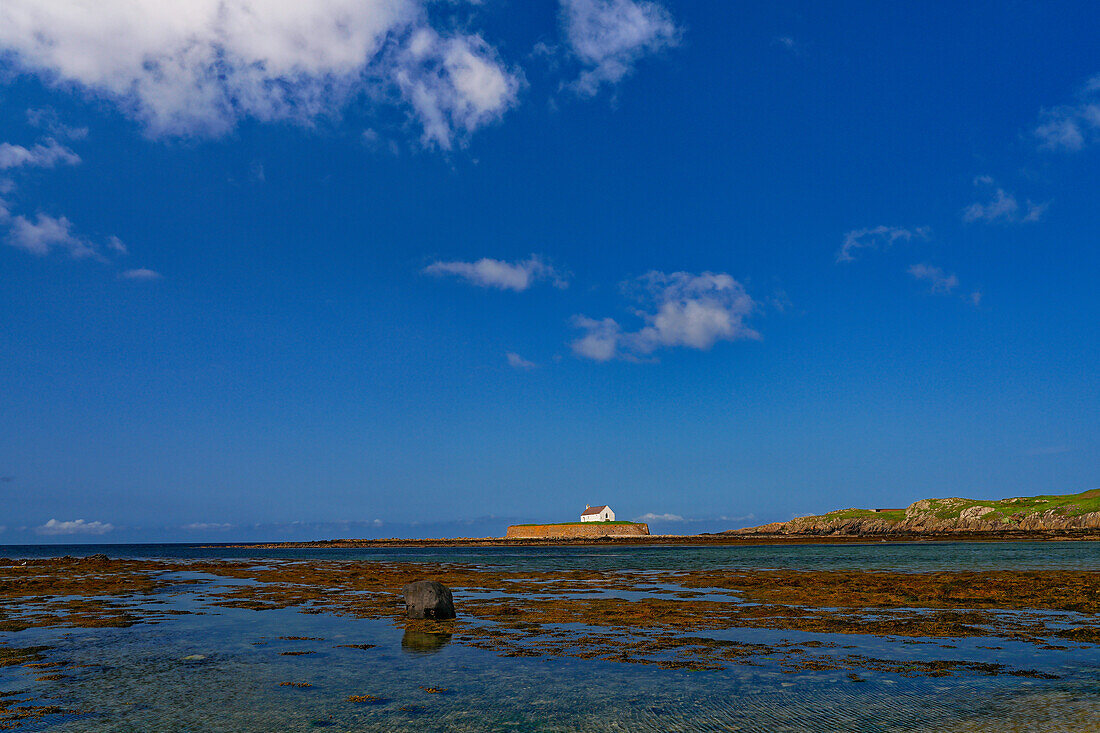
[45,233]
[880,237]
[1071,127]
[742,518]
[207,527]
[609,37]
[677,519]
[46,154]
[518,362]
[681,309]
[1001,206]
[490,273]
[140,273]
[47,119]
[788,43]
[76,526]
[198,67]
[939,281]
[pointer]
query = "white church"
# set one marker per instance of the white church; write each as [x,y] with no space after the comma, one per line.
[597,514]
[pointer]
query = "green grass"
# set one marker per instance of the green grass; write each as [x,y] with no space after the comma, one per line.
[560,524]
[1066,504]
[861,513]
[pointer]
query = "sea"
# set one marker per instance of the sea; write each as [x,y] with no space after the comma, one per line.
[223,669]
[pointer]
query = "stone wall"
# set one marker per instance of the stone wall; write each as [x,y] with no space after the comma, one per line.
[586,530]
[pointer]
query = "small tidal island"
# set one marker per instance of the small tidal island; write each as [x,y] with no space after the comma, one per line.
[577,530]
[595,522]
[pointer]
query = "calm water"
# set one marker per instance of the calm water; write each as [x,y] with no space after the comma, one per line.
[221,671]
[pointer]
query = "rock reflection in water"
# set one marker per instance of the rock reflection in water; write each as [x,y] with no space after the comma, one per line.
[422,642]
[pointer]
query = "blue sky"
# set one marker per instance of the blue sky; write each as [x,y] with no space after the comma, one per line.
[361,268]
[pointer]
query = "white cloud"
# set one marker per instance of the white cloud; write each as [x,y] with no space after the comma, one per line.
[490,273]
[683,309]
[518,362]
[879,237]
[651,517]
[1072,127]
[937,279]
[601,339]
[76,526]
[1002,206]
[455,83]
[207,527]
[197,67]
[45,233]
[609,37]
[41,155]
[140,274]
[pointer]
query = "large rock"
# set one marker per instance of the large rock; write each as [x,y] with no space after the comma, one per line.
[975,512]
[428,599]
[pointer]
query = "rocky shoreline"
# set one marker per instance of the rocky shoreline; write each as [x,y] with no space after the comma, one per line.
[746,537]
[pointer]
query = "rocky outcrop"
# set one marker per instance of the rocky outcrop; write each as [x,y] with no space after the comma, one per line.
[947,516]
[589,530]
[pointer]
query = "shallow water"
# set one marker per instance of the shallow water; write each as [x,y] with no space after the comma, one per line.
[221,671]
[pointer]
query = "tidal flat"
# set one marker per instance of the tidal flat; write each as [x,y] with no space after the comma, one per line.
[880,637]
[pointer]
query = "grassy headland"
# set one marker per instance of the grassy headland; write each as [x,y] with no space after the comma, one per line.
[1043,513]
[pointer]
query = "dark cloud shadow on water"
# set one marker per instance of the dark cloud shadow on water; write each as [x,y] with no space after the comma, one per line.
[422,642]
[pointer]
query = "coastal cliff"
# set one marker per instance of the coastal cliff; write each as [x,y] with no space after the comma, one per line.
[953,515]
[577,530]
